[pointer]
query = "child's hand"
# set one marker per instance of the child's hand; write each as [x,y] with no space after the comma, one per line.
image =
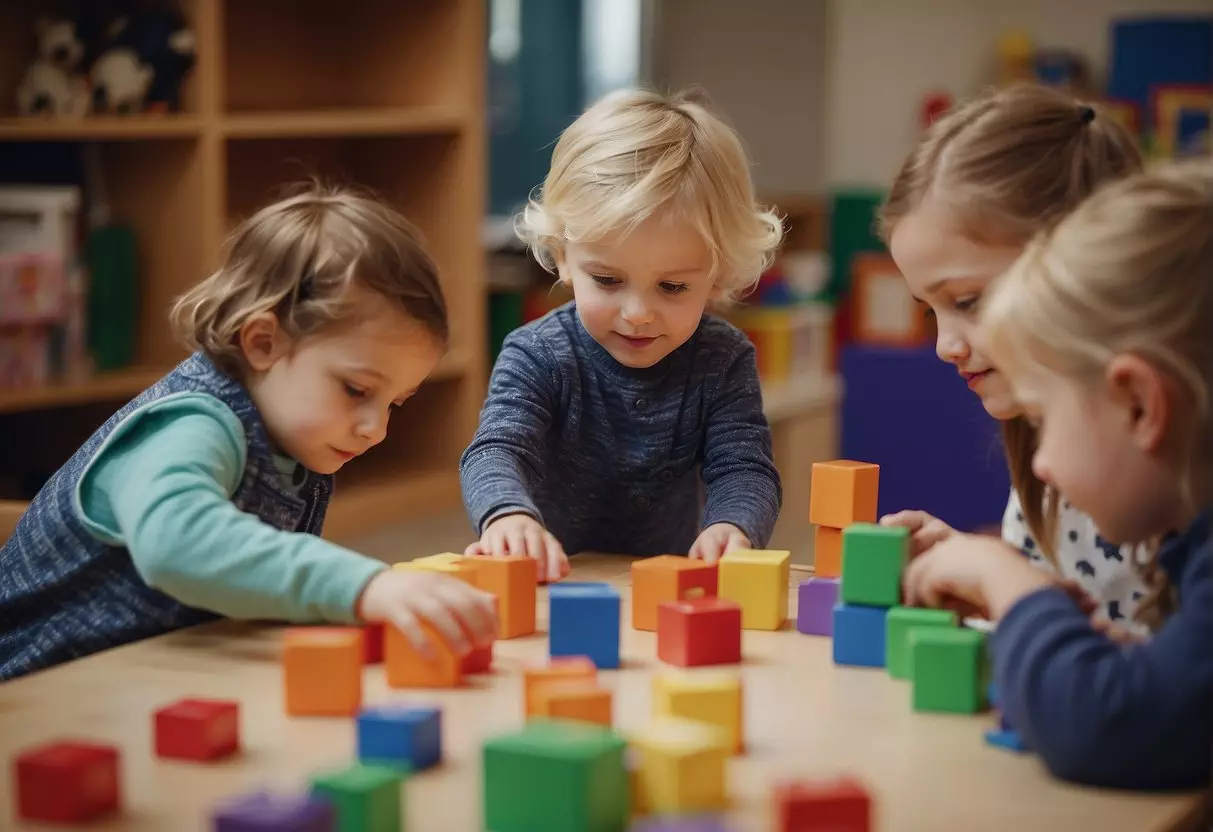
[464,615]
[981,573]
[925,530]
[717,539]
[521,534]
[1117,633]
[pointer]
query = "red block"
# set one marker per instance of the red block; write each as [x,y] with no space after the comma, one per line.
[480,659]
[699,631]
[372,643]
[67,782]
[197,729]
[841,805]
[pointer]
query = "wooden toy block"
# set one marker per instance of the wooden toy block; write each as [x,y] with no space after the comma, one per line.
[816,599]
[699,631]
[575,699]
[197,729]
[558,776]
[689,823]
[583,620]
[899,623]
[567,668]
[714,698]
[322,671]
[365,798]
[667,578]
[859,634]
[372,642]
[405,667]
[478,659]
[512,579]
[441,558]
[841,805]
[67,782]
[400,736]
[827,552]
[681,766]
[268,812]
[873,558]
[947,666]
[758,581]
[843,492]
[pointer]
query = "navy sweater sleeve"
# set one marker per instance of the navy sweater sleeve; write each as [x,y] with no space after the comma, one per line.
[1097,713]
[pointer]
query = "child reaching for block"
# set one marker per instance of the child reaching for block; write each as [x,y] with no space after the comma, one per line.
[205,495]
[606,418]
[1101,331]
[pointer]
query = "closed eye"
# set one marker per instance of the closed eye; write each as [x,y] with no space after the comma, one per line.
[354,392]
[605,280]
[673,288]
[966,304]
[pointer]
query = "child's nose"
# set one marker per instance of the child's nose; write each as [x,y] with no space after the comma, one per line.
[635,311]
[372,428]
[950,346]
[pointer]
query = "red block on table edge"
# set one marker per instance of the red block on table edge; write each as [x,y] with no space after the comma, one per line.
[67,781]
[197,729]
[699,631]
[372,642]
[841,805]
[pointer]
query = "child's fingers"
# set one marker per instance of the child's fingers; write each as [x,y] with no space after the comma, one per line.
[556,560]
[515,542]
[439,612]
[408,624]
[737,540]
[478,615]
[912,519]
[474,550]
[497,545]
[533,538]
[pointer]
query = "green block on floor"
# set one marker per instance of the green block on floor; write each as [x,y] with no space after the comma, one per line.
[948,669]
[559,776]
[873,558]
[899,623]
[366,798]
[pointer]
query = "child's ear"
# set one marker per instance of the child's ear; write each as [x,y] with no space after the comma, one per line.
[262,341]
[562,267]
[1139,388]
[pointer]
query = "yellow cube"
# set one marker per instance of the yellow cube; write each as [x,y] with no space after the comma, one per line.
[454,565]
[757,579]
[680,767]
[711,697]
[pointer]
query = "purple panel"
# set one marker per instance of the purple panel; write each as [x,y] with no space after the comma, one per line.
[265,812]
[815,611]
[675,823]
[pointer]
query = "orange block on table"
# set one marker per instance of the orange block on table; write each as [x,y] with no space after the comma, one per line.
[842,804]
[512,579]
[322,671]
[405,667]
[564,669]
[827,552]
[668,578]
[843,492]
[576,699]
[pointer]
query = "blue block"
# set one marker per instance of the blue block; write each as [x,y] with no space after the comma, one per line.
[400,736]
[1006,739]
[859,635]
[1145,52]
[583,620]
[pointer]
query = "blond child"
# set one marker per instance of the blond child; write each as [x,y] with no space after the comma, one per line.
[982,181]
[1102,330]
[629,420]
[205,495]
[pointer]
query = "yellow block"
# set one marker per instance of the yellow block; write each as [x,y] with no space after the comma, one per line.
[757,579]
[448,564]
[711,697]
[680,766]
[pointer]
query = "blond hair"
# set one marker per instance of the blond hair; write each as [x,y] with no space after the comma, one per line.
[635,153]
[301,258]
[1130,271]
[1006,166]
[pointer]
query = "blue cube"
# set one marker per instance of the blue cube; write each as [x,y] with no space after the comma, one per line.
[399,736]
[583,620]
[859,635]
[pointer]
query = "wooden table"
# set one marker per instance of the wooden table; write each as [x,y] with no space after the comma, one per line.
[804,717]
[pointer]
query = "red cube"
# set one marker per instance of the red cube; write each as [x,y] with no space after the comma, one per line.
[841,805]
[197,729]
[372,643]
[67,782]
[698,631]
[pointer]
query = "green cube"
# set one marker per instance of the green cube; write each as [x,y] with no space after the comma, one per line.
[872,561]
[899,623]
[366,798]
[948,668]
[556,775]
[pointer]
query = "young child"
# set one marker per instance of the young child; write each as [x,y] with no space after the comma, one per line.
[628,420]
[1102,330]
[984,179]
[205,495]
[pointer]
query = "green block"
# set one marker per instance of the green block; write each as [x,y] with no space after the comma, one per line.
[872,561]
[899,623]
[558,776]
[367,798]
[948,669]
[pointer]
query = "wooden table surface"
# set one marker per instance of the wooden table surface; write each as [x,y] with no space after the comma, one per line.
[803,717]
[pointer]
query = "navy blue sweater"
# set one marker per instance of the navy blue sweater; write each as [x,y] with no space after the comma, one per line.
[617,459]
[1139,717]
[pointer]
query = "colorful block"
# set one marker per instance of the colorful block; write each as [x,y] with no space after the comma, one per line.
[947,668]
[67,782]
[406,667]
[583,620]
[268,812]
[575,699]
[843,492]
[365,798]
[372,643]
[512,579]
[197,729]
[681,766]
[556,775]
[900,622]
[758,581]
[478,659]
[399,736]
[667,578]
[1006,738]
[322,671]
[873,558]
[563,669]
[827,552]
[713,698]
[859,635]
[699,631]
[841,805]
[815,606]
[680,823]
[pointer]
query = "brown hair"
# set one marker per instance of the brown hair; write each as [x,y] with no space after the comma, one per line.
[1010,164]
[301,258]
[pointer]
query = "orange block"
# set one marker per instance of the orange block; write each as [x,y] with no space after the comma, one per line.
[480,659]
[406,668]
[564,669]
[512,579]
[575,699]
[668,578]
[322,671]
[843,492]
[827,551]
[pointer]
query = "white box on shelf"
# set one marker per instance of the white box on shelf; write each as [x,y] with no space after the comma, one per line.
[40,218]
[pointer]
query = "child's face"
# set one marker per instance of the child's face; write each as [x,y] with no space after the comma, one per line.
[949,272]
[641,296]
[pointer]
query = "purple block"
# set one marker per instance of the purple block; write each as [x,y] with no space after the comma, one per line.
[815,612]
[265,812]
[679,823]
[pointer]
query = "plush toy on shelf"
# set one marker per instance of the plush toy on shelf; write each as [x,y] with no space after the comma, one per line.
[120,81]
[164,46]
[56,83]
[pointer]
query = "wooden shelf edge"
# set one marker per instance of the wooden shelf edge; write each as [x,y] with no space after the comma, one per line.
[799,395]
[120,384]
[100,128]
[377,501]
[420,120]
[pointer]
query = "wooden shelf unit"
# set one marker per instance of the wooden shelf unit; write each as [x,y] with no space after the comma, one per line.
[384,94]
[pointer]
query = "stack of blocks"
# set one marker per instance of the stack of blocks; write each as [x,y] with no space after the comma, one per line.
[566,688]
[873,558]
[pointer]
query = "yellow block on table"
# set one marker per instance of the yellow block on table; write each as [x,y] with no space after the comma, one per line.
[711,697]
[680,766]
[757,580]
